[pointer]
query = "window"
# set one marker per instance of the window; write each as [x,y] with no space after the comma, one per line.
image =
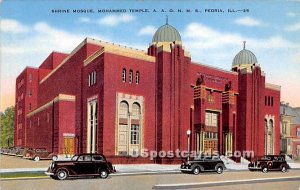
[30,77]
[124,109]
[124,75]
[211,119]
[135,111]
[38,121]
[84,158]
[130,76]
[265,100]
[137,77]
[92,78]
[298,132]
[135,134]
[29,107]
[298,150]
[97,158]
[30,93]
[210,98]
[271,101]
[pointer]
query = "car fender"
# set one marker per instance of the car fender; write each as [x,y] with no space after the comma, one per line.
[197,165]
[63,168]
[220,164]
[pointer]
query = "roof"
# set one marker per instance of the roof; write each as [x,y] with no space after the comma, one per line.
[166,33]
[244,57]
[285,109]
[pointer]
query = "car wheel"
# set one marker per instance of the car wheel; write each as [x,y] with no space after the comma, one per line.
[103,174]
[196,170]
[54,157]
[36,158]
[220,169]
[264,169]
[283,169]
[62,174]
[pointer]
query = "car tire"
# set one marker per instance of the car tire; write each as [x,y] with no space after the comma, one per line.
[61,174]
[54,158]
[264,169]
[219,170]
[196,170]
[283,169]
[36,158]
[103,174]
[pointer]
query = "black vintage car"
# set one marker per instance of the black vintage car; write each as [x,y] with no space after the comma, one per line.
[269,162]
[81,165]
[203,163]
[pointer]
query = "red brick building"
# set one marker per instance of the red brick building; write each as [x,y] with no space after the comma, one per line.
[103,97]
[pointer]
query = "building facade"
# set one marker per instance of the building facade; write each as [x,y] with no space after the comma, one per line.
[289,130]
[120,101]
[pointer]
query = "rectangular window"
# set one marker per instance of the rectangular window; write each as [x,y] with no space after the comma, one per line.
[130,76]
[211,119]
[137,77]
[298,132]
[30,77]
[135,134]
[92,78]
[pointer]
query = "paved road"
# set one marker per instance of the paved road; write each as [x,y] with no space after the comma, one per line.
[144,182]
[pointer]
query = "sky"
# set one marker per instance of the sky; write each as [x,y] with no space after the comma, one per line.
[212,31]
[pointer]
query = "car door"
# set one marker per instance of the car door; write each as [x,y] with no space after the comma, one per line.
[208,163]
[84,165]
[99,163]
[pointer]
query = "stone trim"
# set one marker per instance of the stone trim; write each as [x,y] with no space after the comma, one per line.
[60,97]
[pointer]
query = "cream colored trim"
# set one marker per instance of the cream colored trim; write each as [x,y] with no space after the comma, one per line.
[93,57]
[213,110]
[273,86]
[60,97]
[119,51]
[65,60]
[216,68]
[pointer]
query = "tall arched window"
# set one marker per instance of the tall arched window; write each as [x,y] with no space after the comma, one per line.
[124,75]
[130,76]
[136,111]
[137,77]
[124,109]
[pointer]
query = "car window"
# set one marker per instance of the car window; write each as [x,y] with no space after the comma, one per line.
[84,158]
[74,158]
[97,158]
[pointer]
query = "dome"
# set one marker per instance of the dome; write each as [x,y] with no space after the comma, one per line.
[166,33]
[244,57]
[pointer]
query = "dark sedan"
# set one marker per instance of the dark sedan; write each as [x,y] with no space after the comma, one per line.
[81,165]
[203,163]
[269,162]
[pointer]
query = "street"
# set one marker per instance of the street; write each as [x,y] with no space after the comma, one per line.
[228,180]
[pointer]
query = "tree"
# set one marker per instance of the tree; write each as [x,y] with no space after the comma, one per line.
[7,127]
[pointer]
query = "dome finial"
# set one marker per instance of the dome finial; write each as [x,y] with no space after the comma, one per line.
[244,44]
[166,19]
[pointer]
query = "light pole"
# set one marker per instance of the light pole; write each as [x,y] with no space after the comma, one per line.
[188,132]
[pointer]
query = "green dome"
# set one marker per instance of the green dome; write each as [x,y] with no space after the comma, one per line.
[244,57]
[166,33]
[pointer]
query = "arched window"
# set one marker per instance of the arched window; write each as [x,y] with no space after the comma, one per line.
[130,76]
[124,75]
[137,77]
[136,110]
[124,108]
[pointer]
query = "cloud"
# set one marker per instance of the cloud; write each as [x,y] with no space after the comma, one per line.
[248,21]
[147,31]
[13,26]
[114,20]
[85,20]
[291,14]
[293,27]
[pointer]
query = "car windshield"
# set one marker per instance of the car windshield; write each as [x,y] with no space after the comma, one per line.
[74,158]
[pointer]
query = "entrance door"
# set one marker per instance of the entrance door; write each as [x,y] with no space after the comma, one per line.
[69,145]
[92,126]
[123,140]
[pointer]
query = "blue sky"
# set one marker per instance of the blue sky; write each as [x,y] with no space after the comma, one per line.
[30,31]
